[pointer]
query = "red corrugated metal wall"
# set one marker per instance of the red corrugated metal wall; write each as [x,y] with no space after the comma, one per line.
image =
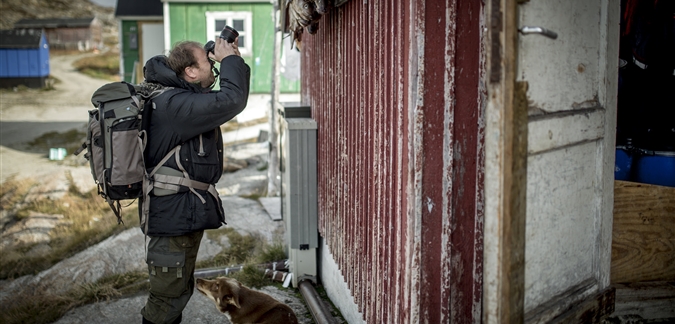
[394,87]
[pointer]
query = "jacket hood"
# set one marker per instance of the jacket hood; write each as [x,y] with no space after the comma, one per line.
[156,70]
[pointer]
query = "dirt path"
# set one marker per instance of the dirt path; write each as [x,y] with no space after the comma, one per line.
[27,114]
[68,102]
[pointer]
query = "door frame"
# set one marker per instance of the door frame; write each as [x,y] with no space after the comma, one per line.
[141,40]
[505,170]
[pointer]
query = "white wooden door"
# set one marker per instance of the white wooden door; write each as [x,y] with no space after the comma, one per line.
[571,85]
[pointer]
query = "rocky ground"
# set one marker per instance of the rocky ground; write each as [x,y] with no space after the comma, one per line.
[27,114]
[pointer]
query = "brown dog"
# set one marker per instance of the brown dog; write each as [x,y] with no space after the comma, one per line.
[244,305]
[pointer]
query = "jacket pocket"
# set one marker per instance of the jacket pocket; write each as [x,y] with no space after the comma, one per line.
[203,146]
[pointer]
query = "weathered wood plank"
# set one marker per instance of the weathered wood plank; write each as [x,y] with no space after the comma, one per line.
[643,236]
[565,129]
[649,300]
[581,304]
[593,310]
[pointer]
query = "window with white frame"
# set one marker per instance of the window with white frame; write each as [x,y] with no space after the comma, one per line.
[239,20]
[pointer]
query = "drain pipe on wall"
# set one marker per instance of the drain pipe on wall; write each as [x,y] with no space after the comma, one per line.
[319,312]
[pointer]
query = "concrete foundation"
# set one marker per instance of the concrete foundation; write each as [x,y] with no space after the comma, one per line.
[336,287]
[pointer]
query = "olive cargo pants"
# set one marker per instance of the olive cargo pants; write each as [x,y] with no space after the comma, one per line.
[171,265]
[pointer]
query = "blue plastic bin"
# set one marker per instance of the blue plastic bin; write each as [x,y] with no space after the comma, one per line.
[623,164]
[657,169]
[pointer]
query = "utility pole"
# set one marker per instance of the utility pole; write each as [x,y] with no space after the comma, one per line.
[273,164]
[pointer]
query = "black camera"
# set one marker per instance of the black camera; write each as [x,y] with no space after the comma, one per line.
[228,33]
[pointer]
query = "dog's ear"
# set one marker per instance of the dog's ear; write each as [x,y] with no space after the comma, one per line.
[234,298]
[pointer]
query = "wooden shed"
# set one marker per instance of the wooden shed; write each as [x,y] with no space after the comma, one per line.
[68,33]
[141,34]
[465,158]
[24,58]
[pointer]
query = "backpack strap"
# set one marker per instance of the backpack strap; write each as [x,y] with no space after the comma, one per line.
[132,91]
[170,182]
[116,208]
[149,183]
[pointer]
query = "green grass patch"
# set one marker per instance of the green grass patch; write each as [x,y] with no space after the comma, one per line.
[243,249]
[272,253]
[251,276]
[103,66]
[247,250]
[49,86]
[70,140]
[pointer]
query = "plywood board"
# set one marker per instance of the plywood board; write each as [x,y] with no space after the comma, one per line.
[643,236]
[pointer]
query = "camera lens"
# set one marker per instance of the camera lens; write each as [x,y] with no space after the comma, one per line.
[229,34]
[209,46]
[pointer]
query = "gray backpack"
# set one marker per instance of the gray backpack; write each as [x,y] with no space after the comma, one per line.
[116,141]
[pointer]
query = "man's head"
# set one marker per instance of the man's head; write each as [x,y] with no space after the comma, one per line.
[190,62]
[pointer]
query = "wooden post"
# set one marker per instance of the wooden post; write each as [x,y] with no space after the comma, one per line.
[273,163]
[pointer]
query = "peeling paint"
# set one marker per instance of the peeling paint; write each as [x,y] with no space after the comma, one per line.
[592,103]
[388,134]
[430,205]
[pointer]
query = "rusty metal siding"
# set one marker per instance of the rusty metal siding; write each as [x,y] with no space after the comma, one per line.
[383,79]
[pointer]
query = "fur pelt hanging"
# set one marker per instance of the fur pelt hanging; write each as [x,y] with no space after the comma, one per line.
[304,14]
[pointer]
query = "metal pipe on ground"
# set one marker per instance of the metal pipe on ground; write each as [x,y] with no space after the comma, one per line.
[214,272]
[319,312]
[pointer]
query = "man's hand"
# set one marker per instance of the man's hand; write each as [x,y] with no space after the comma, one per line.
[224,49]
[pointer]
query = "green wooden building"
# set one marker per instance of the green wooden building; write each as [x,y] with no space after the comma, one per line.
[140,39]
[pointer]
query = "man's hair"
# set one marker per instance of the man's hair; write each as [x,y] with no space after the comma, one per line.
[182,56]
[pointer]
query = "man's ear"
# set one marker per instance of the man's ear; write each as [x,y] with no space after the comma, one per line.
[190,73]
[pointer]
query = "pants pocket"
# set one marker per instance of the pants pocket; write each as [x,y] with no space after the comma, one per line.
[167,273]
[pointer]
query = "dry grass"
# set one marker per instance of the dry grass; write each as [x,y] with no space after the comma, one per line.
[87,221]
[103,66]
[233,125]
[13,192]
[34,306]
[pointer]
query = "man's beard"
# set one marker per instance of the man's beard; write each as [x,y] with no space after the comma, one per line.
[207,85]
[210,82]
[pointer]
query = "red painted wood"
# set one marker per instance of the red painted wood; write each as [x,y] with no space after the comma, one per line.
[357,74]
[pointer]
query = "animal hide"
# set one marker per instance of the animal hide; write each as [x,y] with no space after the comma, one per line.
[304,14]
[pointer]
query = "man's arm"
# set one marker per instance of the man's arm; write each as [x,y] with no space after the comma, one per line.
[204,112]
